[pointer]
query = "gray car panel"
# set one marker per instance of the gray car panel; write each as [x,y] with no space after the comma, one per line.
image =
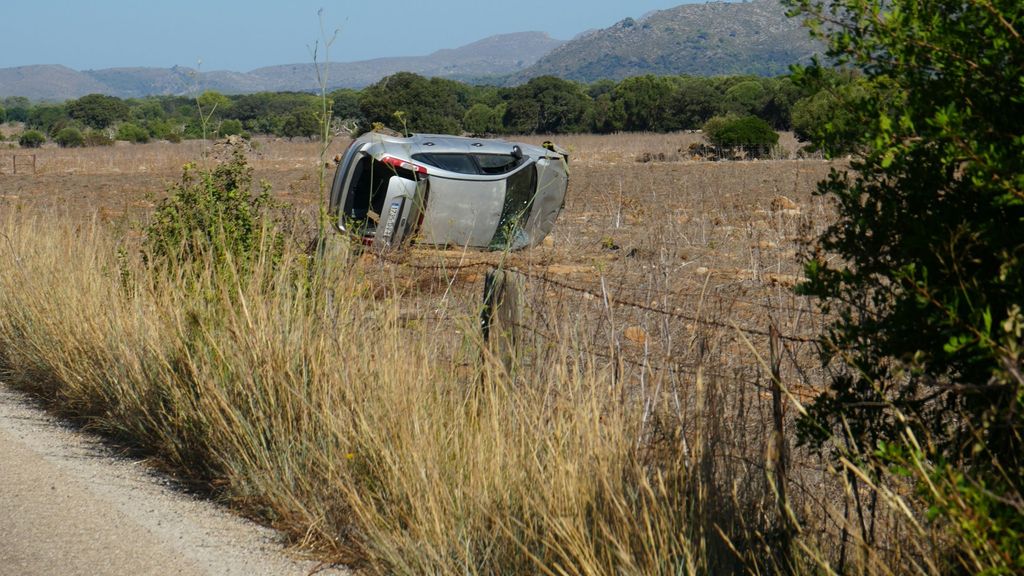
[462,212]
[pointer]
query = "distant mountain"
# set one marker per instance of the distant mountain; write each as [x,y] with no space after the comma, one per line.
[47,82]
[496,56]
[710,39]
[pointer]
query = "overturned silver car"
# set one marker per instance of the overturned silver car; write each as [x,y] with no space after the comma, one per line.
[448,191]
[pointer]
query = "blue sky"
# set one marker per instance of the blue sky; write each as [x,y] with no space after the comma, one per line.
[243,35]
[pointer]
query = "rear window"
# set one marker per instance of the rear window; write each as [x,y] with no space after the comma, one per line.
[480,164]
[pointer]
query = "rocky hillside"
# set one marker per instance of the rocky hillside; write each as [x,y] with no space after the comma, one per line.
[496,56]
[710,39]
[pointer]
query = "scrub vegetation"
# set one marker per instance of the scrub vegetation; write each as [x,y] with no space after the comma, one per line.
[757,366]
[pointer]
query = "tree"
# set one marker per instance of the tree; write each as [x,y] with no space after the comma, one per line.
[547,105]
[746,98]
[694,102]
[98,110]
[925,274]
[605,115]
[48,118]
[304,122]
[31,139]
[213,104]
[345,104]
[434,105]
[482,119]
[645,102]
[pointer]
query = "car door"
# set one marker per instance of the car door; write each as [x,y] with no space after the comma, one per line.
[462,211]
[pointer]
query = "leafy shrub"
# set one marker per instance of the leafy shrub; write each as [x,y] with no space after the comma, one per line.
[747,131]
[70,137]
[132,133]
[31,139]
[212,218]
[230,127]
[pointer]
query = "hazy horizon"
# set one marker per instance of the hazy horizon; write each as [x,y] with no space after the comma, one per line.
[242,36]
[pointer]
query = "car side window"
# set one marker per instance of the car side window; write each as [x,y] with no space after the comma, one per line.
[496,163]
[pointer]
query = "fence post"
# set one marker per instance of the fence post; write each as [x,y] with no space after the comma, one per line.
[780,449]
[502,314]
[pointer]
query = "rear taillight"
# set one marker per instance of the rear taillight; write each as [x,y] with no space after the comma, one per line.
[399,163]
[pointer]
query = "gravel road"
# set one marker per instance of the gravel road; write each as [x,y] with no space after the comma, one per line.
[69,505]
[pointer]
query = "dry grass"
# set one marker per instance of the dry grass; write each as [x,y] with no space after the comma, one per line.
[352,403]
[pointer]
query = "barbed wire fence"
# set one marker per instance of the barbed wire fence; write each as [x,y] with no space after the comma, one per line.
[747,371]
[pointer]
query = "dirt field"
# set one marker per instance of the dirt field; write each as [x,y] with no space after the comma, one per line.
[679,237]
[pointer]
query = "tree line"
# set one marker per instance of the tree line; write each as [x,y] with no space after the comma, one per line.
[412,103]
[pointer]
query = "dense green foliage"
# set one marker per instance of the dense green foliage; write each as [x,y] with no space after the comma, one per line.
[413,103]
[926,274]
[31,139]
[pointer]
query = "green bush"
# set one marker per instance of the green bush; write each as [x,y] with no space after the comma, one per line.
[733,131]
[70,137]
[31,139]
[230,127]
[212,218]
[132,133]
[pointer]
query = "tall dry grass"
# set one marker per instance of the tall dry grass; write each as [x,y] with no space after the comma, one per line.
[303,399]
